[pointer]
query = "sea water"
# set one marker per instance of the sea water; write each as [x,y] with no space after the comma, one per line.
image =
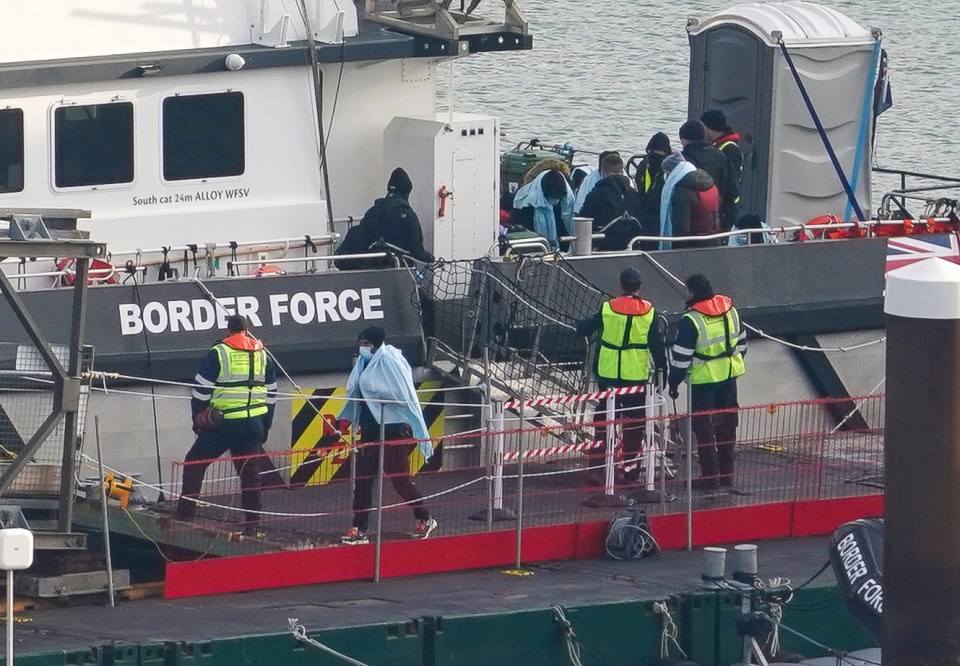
[605,74]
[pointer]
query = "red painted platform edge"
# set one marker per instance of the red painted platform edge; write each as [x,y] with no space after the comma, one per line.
[816,517]
[494,549]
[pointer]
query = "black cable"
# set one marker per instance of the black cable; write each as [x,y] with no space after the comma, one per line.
[153,397]
[814,576]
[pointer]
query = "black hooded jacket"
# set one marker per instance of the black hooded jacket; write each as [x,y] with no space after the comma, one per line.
[609,199]
[390,220]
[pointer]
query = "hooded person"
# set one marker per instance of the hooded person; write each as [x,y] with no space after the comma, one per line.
[545,205]
[390,223]
[727,141]
[675,168]
[693,205]
[382,401]
[649,181]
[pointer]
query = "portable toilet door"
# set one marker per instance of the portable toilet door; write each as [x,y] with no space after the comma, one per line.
[738,65]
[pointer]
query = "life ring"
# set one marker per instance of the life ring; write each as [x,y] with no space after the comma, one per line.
[811,232]
[269,270]
[100,272]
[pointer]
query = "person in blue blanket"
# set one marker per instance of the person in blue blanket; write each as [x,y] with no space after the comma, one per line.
[545,206]
[381,386]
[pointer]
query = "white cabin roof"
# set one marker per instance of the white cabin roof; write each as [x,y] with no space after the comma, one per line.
[42,30]
[796,20]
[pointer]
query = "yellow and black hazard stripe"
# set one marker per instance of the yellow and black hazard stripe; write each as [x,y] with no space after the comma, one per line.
[320,450]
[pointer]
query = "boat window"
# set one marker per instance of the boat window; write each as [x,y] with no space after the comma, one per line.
[203,136]
[93,144]
[11,150]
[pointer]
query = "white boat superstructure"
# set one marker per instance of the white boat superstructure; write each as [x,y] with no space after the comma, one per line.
[179,123]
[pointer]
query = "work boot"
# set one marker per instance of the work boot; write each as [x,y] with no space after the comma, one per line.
[726,480]
[705,483]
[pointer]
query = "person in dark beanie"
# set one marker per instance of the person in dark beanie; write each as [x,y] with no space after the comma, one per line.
[381,398]
[233,399]
[390,224]
[710,345]
[727,142]
[649,180]
[630,344]
[703,154]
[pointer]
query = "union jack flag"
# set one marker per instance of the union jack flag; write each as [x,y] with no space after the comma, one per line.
[905,250]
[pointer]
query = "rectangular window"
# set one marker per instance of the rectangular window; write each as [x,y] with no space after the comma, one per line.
[11,150]
[203,136]
[93,144]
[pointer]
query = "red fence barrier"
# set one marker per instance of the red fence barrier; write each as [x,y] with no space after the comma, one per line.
[800,467]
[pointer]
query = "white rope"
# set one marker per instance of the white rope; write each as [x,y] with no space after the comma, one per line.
[281,396]
[281,514]
[856,407]
[300,633]
[670,631]
[569,637]
[663,269]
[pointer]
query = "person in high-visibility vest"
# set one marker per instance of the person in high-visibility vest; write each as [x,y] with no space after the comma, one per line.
[710,346]
[727,142]
[233,403]
[629,343]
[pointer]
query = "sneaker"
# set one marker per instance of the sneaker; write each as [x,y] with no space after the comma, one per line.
[424,528]
[355,537]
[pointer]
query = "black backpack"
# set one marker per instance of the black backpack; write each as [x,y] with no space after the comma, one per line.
[375,224]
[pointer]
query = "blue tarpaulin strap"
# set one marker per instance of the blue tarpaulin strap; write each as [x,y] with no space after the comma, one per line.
[864,123]
[851,197]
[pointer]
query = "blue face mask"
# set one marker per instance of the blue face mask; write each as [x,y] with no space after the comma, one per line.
[366,353]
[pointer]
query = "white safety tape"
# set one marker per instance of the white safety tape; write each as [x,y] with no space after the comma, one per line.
[553,450]
[567,399]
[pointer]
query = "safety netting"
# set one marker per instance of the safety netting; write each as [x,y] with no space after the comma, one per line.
[512,322]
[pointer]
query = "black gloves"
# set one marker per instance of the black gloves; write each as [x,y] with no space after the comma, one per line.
[674,392]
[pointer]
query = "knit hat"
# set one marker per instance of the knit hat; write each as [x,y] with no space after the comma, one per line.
[630,279]
[714,119]
[399,184]
[374,335]
[671,161]
[659,141]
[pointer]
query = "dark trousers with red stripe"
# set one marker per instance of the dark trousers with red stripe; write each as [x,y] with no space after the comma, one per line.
[396,467]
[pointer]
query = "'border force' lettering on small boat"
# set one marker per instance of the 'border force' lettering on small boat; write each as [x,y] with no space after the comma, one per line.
[299,308]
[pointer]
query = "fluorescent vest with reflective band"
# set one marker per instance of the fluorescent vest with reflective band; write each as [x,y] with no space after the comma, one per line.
[623,353]
[715,358]
[241,390]
[732,143]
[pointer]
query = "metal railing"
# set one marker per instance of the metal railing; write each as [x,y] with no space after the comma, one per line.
[525,476]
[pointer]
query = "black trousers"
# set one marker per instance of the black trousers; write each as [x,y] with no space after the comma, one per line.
[629,406]
[241,437]
[716,433]
[396,467]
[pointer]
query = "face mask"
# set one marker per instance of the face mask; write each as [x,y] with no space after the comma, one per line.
[366,353]
[552,201]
